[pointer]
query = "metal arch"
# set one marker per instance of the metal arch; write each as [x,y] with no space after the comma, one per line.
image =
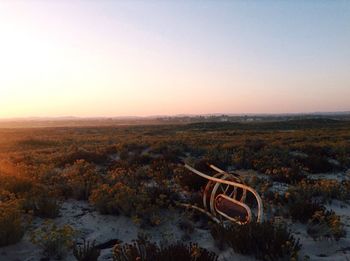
[219,179]
[213,196]
[244,194]
[207,190]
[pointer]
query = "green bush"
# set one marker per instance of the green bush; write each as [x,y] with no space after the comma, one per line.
[265,241]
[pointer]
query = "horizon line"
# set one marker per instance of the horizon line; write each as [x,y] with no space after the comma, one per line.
[72,117]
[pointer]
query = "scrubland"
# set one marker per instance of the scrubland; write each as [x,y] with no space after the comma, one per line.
[112,193]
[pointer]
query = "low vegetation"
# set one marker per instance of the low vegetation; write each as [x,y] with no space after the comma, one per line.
[137,171]
[326,224]
[265,241]
[12,225]
[86,252]
[144,250]
[55,241]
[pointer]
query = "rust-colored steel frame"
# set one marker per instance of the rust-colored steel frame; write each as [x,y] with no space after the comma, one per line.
[228,192]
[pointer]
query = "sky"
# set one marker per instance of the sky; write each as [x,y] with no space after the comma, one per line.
[141,58]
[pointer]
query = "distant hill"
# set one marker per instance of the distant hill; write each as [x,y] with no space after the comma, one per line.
[231,121]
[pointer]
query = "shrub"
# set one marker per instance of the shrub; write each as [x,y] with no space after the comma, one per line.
[142,204]
[329,189]
[187,227]
[345,189]
[302,209]
[265,241]
[144,250]
[170,150]
[189,180]
[55,241]
[161,169]
[326,224]
[261,185]
[16,185]
[42,204]
[115,199]
[300,203]
[6,195]
[219,156]
[82,178]
[75,154]
[132,178]
[11,223]
[46,207]
[317,164]
[242,159]
[36,198]
[321,222]
[33,143]
[324,190]
[286,175]
[87,252]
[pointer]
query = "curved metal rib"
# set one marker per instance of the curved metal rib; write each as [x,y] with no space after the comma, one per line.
[244,194]
[207,189]
[200,210]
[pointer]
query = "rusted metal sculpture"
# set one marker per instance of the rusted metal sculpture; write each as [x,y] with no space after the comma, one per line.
[225,198]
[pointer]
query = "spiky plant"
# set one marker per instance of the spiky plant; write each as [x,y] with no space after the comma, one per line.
[144,250]
[86,252]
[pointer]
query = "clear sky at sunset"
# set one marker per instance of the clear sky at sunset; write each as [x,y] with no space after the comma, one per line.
[119,58]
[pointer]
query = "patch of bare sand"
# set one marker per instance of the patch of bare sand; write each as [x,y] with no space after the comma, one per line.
[103,228]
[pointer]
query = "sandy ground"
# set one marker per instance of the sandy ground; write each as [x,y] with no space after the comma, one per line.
[102,228]
[326,249]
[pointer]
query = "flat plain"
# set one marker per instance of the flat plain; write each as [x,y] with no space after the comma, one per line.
[114,185]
